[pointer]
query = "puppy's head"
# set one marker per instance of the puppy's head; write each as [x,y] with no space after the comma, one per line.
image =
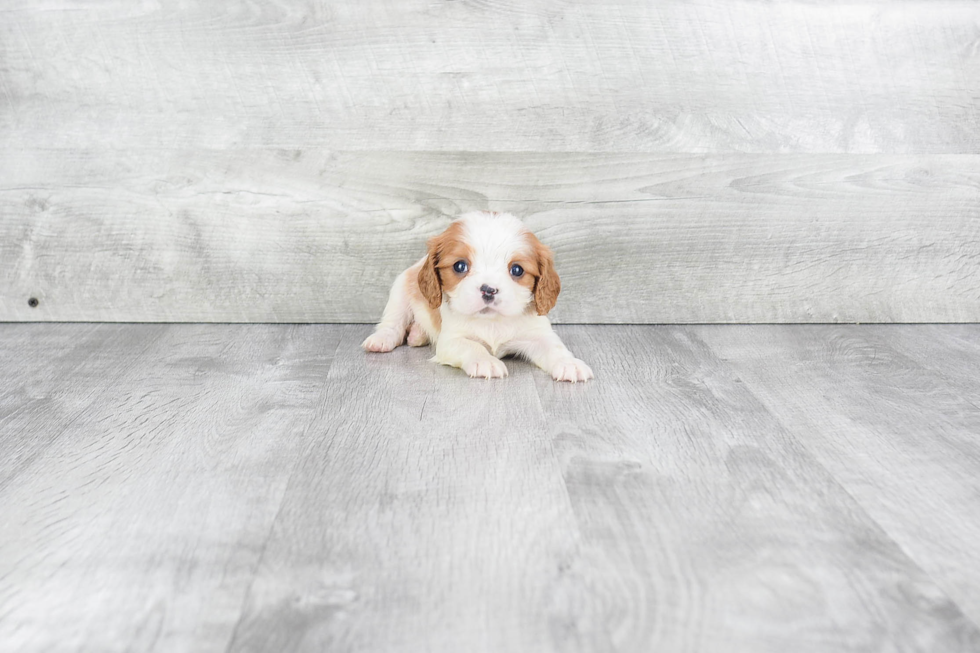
[489,264]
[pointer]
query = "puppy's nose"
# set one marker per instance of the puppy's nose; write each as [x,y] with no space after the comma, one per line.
[488,293]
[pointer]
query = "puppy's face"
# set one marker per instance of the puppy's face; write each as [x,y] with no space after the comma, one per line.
[489,265]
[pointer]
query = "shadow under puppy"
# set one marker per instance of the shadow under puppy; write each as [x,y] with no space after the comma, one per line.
[482,292]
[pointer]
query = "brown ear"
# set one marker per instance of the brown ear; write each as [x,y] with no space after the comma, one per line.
[548,285]
[429,282]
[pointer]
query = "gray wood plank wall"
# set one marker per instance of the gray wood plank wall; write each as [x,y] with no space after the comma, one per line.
[689,162]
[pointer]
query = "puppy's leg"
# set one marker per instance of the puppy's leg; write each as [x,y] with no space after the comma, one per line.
[417,337]
[469,355]
[390,332]
[547,351]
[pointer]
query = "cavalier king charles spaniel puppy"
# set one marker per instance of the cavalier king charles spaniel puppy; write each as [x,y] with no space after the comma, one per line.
[481,293]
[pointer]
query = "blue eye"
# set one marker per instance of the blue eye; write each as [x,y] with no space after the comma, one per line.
[460,267]
[516,270]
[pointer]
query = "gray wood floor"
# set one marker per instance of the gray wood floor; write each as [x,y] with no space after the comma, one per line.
[273,488]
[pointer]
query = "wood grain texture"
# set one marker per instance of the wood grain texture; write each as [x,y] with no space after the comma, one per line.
[273,488]
[52,375]
[439,517]
[706,525]
[312,236]
[906,400]
[698,162]
[660,508]
[493,75]
[138,527]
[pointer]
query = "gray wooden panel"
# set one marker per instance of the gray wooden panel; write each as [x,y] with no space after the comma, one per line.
[301,236]
[892,413]
[428,515]
[661,507]
[500,75]
[200,162]
[138,528]
[52,374]
[273,488]
[693,499]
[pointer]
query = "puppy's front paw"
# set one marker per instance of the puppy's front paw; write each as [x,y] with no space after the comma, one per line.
[572,370]
[382,340]
[486,368]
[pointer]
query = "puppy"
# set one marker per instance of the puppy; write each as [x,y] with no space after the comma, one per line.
[481,293]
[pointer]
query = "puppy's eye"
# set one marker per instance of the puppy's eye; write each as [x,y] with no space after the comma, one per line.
[516,270]
[460,267]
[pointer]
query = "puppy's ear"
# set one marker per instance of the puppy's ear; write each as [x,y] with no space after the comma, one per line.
[429,282]
[548,285]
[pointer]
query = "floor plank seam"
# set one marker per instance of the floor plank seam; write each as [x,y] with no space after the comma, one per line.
[260,559]
[814,459]
[96,397]
[715,488]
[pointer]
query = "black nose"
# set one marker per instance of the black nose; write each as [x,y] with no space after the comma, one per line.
[487,290]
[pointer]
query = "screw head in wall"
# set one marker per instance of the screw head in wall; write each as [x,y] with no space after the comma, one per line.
[33,302]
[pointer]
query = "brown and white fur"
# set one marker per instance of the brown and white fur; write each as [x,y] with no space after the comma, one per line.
[486,312]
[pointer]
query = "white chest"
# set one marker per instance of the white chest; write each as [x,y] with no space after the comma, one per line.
[494,333]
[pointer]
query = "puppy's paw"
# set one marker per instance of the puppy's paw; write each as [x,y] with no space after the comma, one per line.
[383,340]
[417,337]
[486,368]
[571,370]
